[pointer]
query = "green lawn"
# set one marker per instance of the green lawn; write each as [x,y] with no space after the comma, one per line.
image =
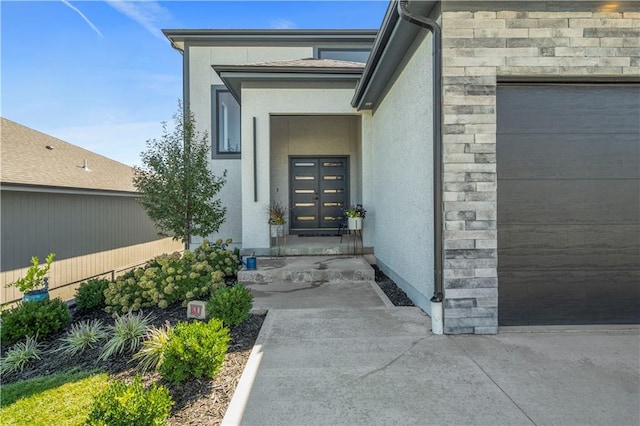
[58,399]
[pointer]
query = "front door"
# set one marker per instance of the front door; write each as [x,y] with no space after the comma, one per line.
[319,192]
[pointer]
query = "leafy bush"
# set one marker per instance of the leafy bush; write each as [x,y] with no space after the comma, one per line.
[127,330]
[195,349]
[219,256]
[90,295]
[230,304]
[35,275]
[20,355]
[82,335]
[41,318]
[123,404]
[151,355]
[169,279]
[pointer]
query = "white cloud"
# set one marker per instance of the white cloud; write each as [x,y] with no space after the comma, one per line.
[282,24]
[82,15]
[119,141]
[149,14]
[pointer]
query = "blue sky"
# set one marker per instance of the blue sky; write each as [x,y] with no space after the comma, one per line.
[101,75]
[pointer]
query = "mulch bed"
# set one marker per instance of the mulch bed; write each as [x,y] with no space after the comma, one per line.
[397,296]
[197,401]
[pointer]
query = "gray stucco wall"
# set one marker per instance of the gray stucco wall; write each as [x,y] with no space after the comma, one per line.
[402,177]
[480,48]
[201,78]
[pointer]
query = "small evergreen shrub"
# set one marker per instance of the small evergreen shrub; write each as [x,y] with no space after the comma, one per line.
[124,404]
[127,333]
[151,354]
[41,318]
[90,295]
[20,355]
[231,304]
[82,335]
[170,279]
[195,349]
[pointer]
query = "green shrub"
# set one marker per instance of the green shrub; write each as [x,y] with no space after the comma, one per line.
[90,295]
[127,330]
[35,276]
[20,355]
[125,405]
[230,304]
[82,335]
[219,256]
[41,318]
[169,279]
[195,349]
[151,354]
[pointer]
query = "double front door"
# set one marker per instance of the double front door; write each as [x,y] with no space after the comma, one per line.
[319,192]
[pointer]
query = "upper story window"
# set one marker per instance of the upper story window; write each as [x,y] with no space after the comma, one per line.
[225,123]
[344,54]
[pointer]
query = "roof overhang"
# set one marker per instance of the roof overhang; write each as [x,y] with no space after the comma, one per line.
[391,44]
[21,187]
[234,75]
[179,38]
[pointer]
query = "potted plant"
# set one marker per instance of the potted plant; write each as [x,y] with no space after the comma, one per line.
[355,213]
[35,285]
[277,218]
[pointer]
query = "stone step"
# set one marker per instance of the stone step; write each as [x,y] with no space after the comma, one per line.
[325,250]
[336,269]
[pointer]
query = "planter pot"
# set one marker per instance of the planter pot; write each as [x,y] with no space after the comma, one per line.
[277,230]
[36,295]
[355,223]
[251,263]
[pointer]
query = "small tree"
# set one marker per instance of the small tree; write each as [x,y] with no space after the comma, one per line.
[177,187]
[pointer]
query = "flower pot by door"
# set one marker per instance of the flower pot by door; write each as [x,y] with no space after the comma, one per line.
[355,223]
[277,230]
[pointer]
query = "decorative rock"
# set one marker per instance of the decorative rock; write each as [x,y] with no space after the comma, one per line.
[197,309]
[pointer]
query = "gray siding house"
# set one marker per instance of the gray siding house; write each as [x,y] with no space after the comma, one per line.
[57,197]
[499,161]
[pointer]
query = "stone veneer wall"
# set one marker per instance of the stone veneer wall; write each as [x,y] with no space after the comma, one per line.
[479,48]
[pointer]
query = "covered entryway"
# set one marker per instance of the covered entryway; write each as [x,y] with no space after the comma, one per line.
[315,170]
[319,188]
[568,203]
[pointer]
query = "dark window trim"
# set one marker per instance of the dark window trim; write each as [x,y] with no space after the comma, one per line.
[215,122]
[318,49]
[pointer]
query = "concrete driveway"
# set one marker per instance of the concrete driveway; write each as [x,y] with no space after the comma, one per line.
[380,365]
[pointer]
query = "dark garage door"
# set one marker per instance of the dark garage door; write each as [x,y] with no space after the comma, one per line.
[568,204]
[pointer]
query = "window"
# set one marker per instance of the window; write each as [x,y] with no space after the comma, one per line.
[225,123]
[344,54]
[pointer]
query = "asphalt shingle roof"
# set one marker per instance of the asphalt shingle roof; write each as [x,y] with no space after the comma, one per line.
[308,63]
[30,157]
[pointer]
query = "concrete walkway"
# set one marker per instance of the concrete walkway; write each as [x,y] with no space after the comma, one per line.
[370,364]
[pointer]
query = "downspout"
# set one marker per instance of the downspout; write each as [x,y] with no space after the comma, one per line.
[436,31]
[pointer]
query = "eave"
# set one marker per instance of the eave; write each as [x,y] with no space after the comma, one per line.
[234,75]
[21,187]
[391,44]
[179,37]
